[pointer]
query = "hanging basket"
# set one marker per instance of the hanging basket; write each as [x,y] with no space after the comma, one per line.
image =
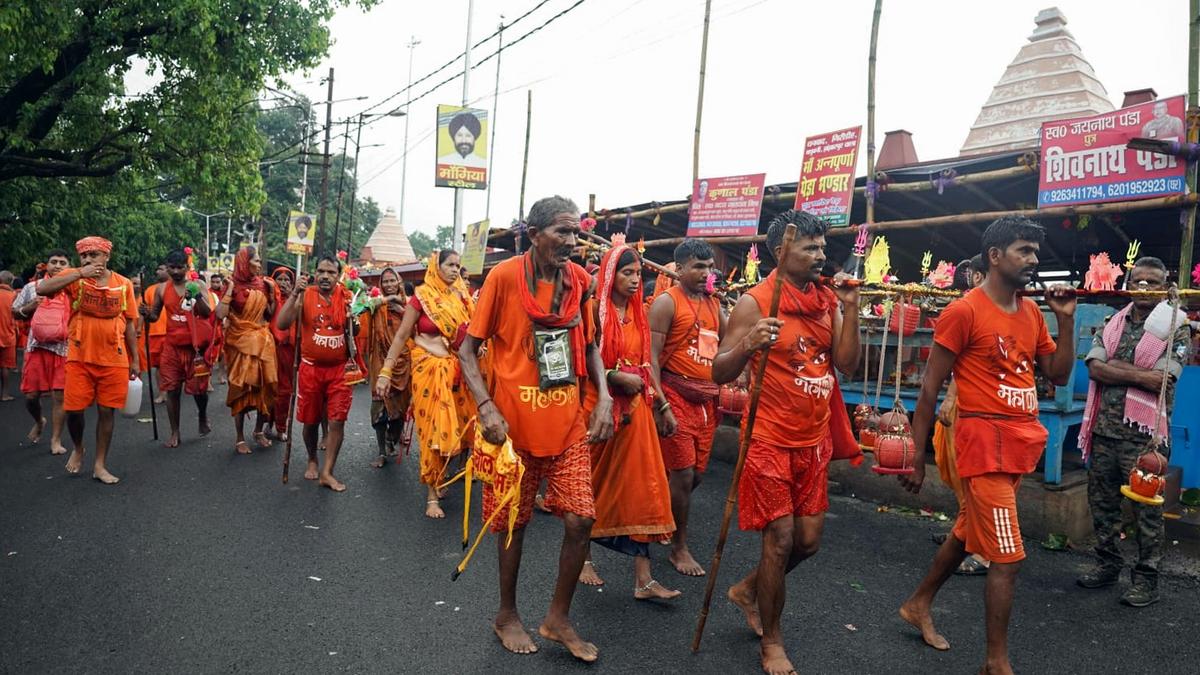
[354,374]
[1147,479]
[868,435]
[895,450]
[905,318]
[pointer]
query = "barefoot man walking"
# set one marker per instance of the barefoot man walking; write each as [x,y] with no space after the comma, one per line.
[323,311]
[102,348]
[991,339]
[686,325]
[783,490]
[534,309]
[44,372]
[177,359]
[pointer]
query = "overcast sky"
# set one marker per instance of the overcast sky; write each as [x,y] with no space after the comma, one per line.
[614,85]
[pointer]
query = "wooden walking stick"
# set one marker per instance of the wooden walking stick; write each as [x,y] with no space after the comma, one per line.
[150,379]
[287,450]
[744,444]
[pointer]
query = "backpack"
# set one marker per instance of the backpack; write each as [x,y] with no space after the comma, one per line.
[49,321]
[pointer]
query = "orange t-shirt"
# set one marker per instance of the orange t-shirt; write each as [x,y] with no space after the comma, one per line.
[694,337]
[323,327]
[159,327]
[96,333]
[8,326]
[793,410]
[543,423]
[994,371]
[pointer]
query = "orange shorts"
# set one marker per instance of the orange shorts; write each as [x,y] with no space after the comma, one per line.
[322,394]
[691,444]
[778,482]
[176,368]
[43,372]
[987,522]
[8,356]
[568,486]
[87,384]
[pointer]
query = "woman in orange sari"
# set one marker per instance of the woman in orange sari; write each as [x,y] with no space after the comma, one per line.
[246,308]
[436,319]
[377,328]
[629,480]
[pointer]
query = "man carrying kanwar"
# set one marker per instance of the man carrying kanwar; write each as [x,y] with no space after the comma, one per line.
[1126,365]
[153,338]
[534,310]
[101,350]
[187,324]
[44,372]
[783,491]
[992,339]
[323,311]
[686,325]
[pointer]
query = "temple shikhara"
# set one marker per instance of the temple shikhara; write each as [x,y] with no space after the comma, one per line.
[388,244]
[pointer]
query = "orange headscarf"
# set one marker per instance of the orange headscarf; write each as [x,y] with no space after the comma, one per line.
[612,344]
[448,306]
[244,279]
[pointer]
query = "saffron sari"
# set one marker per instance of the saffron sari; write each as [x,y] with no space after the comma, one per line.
[249,346]
[629,480]
[442,405]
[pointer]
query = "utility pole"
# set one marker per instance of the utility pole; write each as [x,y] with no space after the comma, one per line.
[337,218]
[458,192]
[354,187]
[324,170]
[487,213]
[304,157]
[412,43]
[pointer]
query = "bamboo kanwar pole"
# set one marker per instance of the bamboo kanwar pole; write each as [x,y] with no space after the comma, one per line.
[700,94]
[914,186]
[287,451]
[1173,201]
[1193,135]
[150,379]
[871,110]
[751,413]
[320,227]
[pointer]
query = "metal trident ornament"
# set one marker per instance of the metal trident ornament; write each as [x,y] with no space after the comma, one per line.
[1131,254]
[926,261]
[860,250]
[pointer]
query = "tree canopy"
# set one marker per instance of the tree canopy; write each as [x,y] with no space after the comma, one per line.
[80,149]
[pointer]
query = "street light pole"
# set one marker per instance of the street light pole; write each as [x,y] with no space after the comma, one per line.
[412,43]
[337,218]
[458,192]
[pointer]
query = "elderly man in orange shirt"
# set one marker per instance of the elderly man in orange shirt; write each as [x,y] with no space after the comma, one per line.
[534,311]
[102,347]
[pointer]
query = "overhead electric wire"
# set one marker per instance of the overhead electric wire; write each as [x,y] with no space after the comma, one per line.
[482,61]
[453,60]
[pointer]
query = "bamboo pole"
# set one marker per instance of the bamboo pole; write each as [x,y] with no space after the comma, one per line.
[1193,135]
[700,95]
[871,111]
[1173,201]
[915,186]
[747,429]
[525,162]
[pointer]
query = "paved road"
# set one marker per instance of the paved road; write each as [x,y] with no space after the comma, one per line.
[201,561]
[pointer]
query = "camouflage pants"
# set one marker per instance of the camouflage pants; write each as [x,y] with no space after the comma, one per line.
[1111,463]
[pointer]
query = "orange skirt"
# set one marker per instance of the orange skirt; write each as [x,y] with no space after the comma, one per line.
[629,480]
[252,369]
[442,407]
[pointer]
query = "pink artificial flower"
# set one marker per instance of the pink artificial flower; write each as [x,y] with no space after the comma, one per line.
[375,292]
[1196,274]
[351,273]
[192,276]
[187,250]
[587,224]
[342,255]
